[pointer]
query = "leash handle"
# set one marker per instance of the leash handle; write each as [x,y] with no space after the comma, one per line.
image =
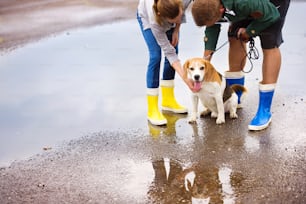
[252,54]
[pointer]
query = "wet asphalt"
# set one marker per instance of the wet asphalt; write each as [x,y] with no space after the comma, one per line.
[74,129]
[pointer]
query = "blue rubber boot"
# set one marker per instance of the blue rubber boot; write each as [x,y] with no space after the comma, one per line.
[262,118]
[235,78]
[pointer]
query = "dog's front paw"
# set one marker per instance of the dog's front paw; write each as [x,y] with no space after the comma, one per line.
[192,120]
[220,120]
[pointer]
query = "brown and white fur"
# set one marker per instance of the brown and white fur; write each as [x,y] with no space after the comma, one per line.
[216,97]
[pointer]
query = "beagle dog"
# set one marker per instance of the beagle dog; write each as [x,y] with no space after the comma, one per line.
[216,97]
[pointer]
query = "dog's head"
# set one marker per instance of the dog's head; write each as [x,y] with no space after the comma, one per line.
[196,69]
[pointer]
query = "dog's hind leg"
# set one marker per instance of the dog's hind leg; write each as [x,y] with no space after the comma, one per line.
[231,106]
[214,114]
[205,112]
[233,113]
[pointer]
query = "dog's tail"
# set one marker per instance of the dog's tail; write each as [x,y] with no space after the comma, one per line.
[239,89]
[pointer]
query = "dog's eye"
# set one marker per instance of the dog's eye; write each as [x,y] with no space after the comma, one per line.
[201,68]
[191,68]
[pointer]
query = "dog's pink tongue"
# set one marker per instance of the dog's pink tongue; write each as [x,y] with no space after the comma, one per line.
[197,86]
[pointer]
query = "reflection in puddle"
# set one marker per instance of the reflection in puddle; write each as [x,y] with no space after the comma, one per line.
[169,129]
[184,182]
[167,185]
[227,189]
[173,183]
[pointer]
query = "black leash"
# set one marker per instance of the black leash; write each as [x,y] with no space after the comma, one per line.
[211,54]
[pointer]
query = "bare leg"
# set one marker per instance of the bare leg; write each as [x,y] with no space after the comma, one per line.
[237,60]
[236,55]
[271,65]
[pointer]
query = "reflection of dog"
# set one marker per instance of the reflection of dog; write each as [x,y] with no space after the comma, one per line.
[203,185]
[216,97]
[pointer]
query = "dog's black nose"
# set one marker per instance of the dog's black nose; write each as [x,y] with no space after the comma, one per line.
[196,77]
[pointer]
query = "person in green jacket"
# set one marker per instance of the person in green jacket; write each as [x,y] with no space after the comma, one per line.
[248,19]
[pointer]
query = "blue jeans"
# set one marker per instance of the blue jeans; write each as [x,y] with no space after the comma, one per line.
[155,54]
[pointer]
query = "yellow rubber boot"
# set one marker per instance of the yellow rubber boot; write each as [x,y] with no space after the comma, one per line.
[169,102]
[154,115]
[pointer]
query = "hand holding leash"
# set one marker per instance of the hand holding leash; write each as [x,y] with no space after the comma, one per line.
[242,35]
[239,34]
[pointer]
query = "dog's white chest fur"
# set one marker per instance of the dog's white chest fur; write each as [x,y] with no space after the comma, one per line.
[210,93]
[211,97]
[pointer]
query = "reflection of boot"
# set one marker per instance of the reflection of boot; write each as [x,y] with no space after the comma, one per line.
[235,78]
[169,130]
[155,131]
[169,102]
[172,118]
[160,173]
[262,118]
[154,115]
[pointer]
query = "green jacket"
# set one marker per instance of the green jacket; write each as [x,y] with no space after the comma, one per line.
[237,10]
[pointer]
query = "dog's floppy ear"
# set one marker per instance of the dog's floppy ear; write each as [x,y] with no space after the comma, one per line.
[208,65]
[211,73]
[186,64]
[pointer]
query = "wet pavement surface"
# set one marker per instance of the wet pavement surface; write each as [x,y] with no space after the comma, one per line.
[74,129]
[25,21]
